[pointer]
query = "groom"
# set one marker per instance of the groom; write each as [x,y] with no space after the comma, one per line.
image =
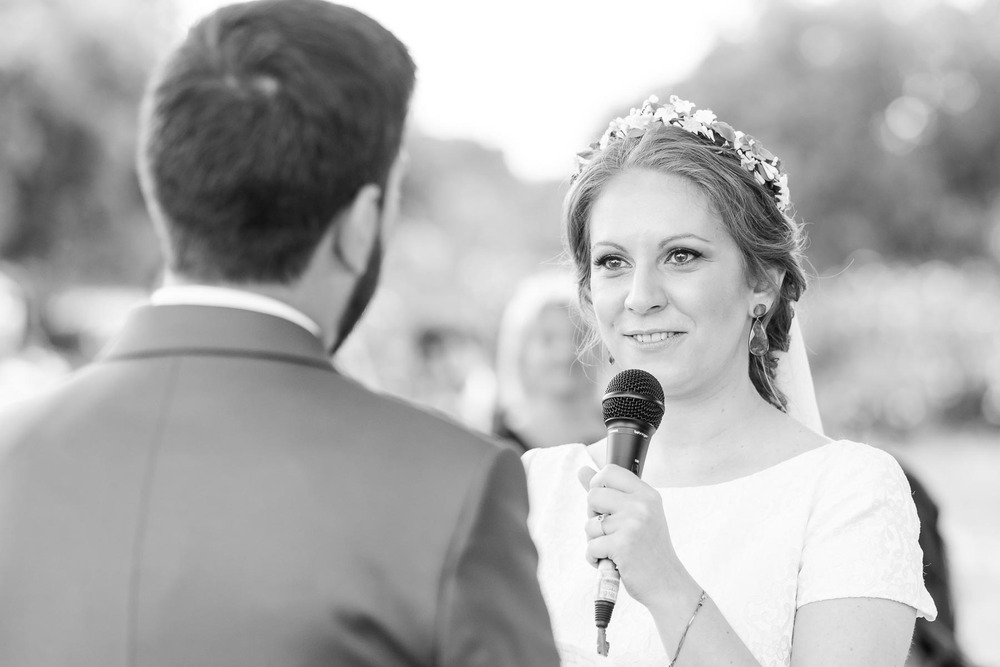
[211,492]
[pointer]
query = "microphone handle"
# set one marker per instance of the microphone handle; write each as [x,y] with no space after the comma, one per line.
[608,581]
[628,440]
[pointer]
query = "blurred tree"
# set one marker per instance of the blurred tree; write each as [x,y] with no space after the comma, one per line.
[470,231]
[884,114]
[71,76]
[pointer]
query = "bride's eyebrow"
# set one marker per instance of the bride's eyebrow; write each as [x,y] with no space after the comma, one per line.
[671,240]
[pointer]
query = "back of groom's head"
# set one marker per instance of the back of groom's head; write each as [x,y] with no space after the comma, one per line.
[261,127]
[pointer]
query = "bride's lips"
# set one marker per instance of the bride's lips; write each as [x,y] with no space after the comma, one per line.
[652,337]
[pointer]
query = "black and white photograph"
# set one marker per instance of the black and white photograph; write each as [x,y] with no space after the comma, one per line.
[433,333]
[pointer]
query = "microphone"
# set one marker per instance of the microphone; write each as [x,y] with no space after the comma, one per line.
[633,409]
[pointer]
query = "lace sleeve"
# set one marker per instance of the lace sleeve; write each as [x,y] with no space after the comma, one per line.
[861,538]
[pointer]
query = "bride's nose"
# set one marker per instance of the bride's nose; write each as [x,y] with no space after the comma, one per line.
[646,293]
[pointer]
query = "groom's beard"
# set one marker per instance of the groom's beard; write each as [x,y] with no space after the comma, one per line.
[364,289]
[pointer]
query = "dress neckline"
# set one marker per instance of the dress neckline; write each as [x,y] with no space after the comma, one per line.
[777,467]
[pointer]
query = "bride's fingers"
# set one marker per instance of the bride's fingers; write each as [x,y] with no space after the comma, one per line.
[597,549]
[605,501]
[615,477]
[584,475]
[600,525]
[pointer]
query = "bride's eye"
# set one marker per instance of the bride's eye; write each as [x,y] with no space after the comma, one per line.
[609,262]
[682,256]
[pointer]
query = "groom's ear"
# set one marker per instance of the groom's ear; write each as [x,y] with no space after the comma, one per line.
[356,229]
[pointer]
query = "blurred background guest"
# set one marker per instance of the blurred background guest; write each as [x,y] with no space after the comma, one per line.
[934,644]
[453,374]
[548,380]
[27,362]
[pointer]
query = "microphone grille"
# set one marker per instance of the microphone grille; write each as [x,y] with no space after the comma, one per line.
[634,394]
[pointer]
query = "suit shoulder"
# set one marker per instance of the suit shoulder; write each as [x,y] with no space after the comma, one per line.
[20,418]
[398,420]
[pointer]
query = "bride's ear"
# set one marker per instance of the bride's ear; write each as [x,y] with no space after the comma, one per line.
[767,288]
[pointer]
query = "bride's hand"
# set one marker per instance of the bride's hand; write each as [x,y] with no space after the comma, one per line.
[633,532]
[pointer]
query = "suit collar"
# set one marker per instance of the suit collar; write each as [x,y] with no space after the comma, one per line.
[231,297]
[185,330]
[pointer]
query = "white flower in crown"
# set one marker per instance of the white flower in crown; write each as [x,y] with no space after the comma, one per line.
[665,114]
[691,125]
[704,116]
[784,201]
[617,127]
[770,171]
[639,121]
[681,106]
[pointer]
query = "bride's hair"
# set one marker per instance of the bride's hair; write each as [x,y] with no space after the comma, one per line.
[766,237]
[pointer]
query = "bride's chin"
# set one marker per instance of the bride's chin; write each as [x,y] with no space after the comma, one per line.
[666,377]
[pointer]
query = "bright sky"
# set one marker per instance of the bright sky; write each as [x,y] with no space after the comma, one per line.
[536,78]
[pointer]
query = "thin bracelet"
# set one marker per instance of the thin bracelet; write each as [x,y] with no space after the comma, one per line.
[684,634]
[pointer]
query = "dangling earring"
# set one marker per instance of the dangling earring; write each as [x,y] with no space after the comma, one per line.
[611,359]
[758,337]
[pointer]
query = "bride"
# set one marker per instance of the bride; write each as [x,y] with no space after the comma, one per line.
[750,539]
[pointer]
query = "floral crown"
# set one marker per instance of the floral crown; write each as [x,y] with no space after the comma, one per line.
[764,165]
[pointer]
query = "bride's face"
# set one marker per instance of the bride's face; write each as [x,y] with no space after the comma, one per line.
[668,284]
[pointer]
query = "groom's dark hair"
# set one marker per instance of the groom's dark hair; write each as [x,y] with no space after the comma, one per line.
[261,127]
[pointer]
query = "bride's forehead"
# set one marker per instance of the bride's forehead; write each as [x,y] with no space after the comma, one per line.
[649,209]
[650,192]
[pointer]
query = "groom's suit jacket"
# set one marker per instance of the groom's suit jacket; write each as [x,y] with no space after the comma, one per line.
[212,493]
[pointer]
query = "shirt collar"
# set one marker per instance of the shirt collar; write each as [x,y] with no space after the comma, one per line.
[228,297]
